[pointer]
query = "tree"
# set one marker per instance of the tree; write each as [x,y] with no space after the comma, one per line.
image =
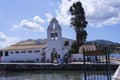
[73,48]
[79,23]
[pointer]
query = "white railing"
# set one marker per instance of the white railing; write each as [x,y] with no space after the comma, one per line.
[116,75]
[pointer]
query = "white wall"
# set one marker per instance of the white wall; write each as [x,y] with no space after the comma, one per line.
[59,46]
[22,57]
[77,57]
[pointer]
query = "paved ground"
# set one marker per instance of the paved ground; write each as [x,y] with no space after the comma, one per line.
[115,60]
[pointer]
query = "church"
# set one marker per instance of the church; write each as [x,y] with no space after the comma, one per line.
[51,49]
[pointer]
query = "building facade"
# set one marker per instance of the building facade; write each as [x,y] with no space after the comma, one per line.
[52,49]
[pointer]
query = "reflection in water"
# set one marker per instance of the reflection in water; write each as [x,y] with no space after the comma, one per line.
[56,75]
[48,75]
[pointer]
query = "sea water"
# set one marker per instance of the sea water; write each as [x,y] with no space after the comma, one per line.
[49,75]
[46,75]
[115,55]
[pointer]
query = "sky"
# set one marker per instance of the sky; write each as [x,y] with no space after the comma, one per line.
[28,19]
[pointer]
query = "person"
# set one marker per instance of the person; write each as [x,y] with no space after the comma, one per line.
[66,59]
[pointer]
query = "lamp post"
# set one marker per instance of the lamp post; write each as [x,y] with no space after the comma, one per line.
[84,64]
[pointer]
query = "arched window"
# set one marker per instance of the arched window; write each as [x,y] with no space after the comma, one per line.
[54,35]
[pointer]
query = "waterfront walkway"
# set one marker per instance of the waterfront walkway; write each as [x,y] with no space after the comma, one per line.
[52,66]
[115,61]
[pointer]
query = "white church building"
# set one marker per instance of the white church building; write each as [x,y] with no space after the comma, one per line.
[54,48]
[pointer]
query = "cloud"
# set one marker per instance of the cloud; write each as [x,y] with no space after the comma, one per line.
[98,13]
[51,3]
[38,19]
[7,40]
[49,17]
[16,27]
[31,25]
[63,14]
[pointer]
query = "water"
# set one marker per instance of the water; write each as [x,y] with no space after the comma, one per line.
[47,75]
[50,75]
[115,55]
[56,75]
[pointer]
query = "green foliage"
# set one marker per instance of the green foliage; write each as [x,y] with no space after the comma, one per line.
[73,48]
[79,23]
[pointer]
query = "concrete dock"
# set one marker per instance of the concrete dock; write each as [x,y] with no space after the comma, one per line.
[52,66]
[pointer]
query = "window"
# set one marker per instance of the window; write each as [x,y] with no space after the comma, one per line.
[16,52]
[1,53]
[23,51]
[56,34]
[66,43]
[37,60]
[30,51]
[6,53]
[11,52]
[52,34]
[37,51]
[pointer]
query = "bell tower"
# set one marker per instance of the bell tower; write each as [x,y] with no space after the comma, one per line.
[54,31]
[54,40]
